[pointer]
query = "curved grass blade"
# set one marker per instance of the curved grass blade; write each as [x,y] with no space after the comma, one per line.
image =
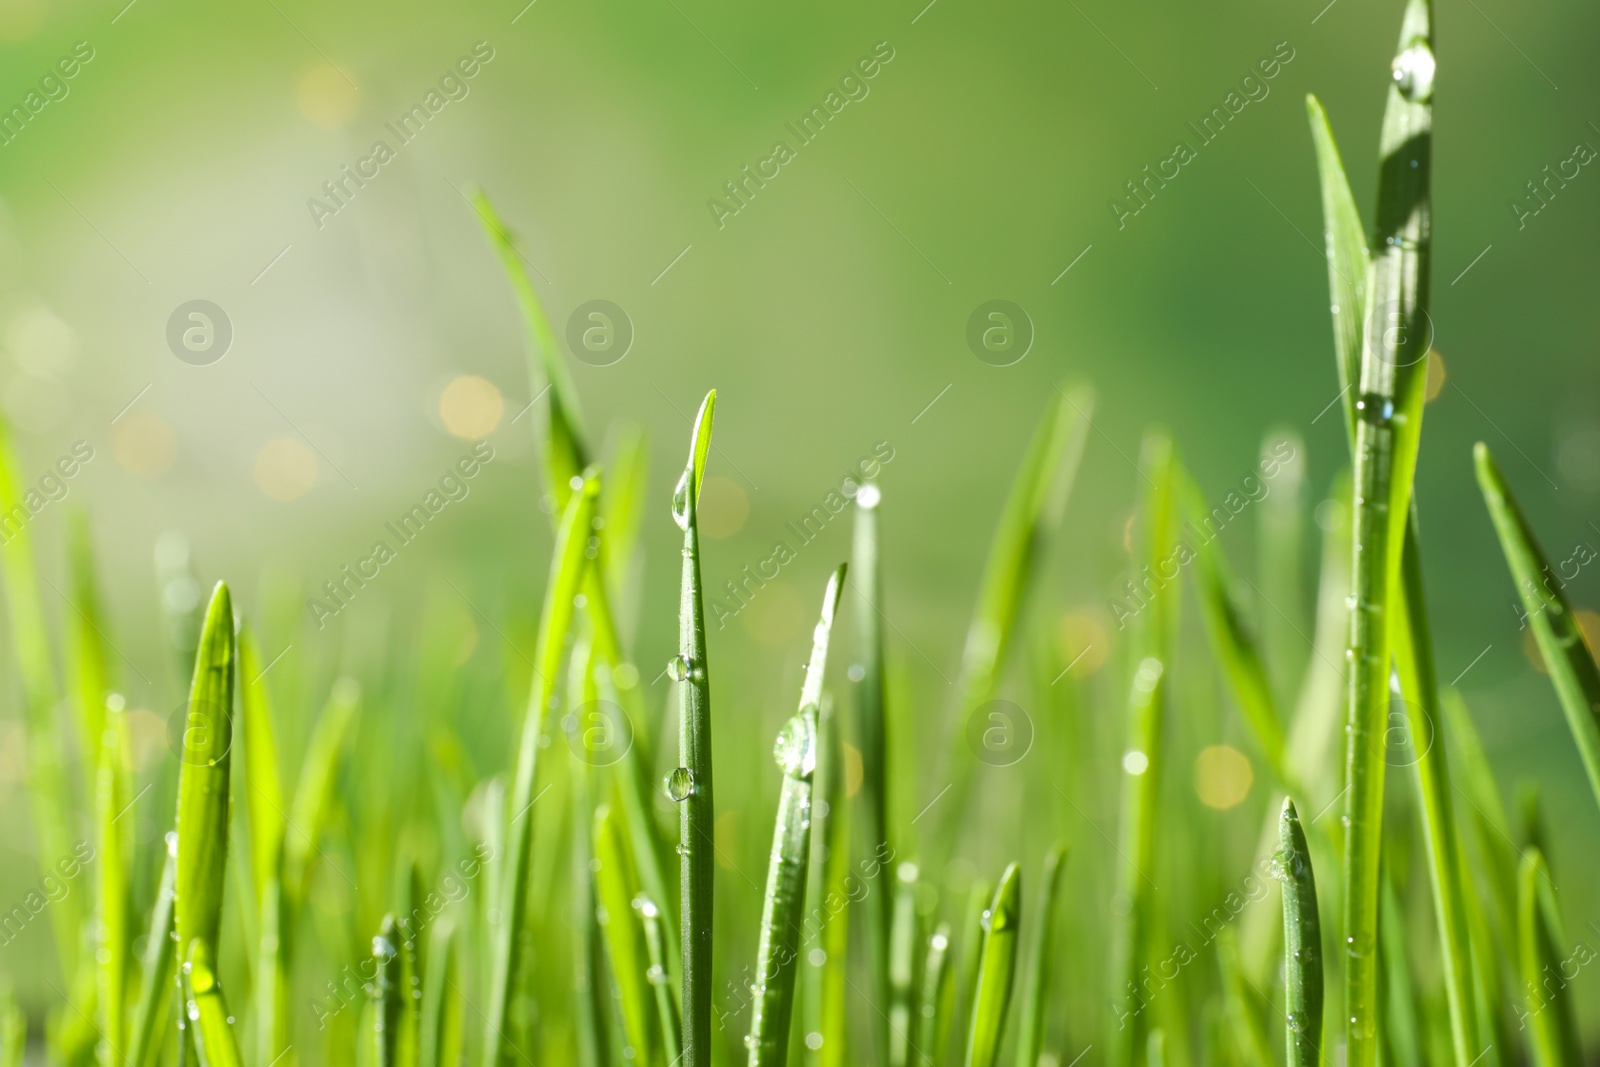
[872,735]
[207,1010]
[1553,1036]
[778,949]
[905,938]
[1413,657]
[615,889]
[49,797]
[386,989]
[666,1007]
[114,856]
[567,567]
[264,810]
[1348,260]
[439,1028]
[690,785]
[1302,943]
[937,1001]
[971,952]
[996,969]
[152,1018]
[202,824]
[1388,419]
[590,986]
[1032,511]
[1566,654]
[1036,980]
[313,795]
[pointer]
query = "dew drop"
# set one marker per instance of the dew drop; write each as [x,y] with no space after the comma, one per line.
[680,783]
[680,501]
[796,748]
[1413,72]
[678,668]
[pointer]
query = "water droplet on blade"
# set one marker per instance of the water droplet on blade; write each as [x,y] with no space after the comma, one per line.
[680,784]
[1413,72]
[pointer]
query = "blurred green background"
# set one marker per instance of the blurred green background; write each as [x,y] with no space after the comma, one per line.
[829,312]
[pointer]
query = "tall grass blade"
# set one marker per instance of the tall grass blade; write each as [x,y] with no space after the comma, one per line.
[1302,944]
[871,735]
[13,1031]
[567,567]
[90,677]
[615,889]
[1031,513]
[1552,1031]
[905,938]
[439,1029]
[112,905]
[1402,1033]
[49,797]
[1566,654]
[1388,419]
[207,1009]
[264,810]
[386,994]
[655,943]
[997,968]
[828,895]
[690,784]
[152,1018]
[314,792]
[778,949]
[1041,943]
[970,954]
[1281,530]
[936,1002]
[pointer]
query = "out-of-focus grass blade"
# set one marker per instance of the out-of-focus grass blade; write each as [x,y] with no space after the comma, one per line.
[114,856]
[655,944]
[1032,510]
[871,733]
[590,992]
[970,953]
[48,794]
[1348,260]
[1302,943]
[13,1031]
[313,795]
[386,991]
[1402,1026]
[507,936]
[1144,758]
[690,784]
[1281,529]
[1036,980]
[937,1001]
[86,641]
[207,1010]
[825,1030]
[203,782]
[905,938]
[1413,658]
[1249,1033]
[615,888]
[264,810]
[623,507]
[1156,1048]
[1566,654]
[778,948]
[1388,428]
[1552,1030]
[153,1018]
[996,969]
[440,1029]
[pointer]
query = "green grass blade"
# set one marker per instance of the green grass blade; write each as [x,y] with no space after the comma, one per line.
[203,781]
[86,641]
[314,793]
[1281,530]
[1249,1033]
[152,1018]
[936,1004]
[1302,943]
[567,567]
[439,1029]
[829,924]
[113,847]
[1388,430]
[13,1031]
[1031,513]
[386,994]
[1348,260]
[1402,1032]
[615,889]
[207,1009]
[905,938]
[971,952]
[622,509]
[1413,655]
[263,784]
[1552,1032]
[690,783]
[871,734]
[997,968]
[1036,979]
[655,943]
[1566,654]
[49,797]
[782,911]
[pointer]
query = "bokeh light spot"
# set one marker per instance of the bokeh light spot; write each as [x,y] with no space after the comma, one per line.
[286,468]
[144,444]
[470,407]
[326,97]
[1222,776]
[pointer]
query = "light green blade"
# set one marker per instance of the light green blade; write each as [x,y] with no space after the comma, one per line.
[1302,944]
[671,1029]
[1552,1032]
[1041,943]
[114,858]
[1243,1003]
[997,967]
[905,939]
[90,678]
[214,1040]
[440,1028]
[314,793]
[615,888]
[152,1021]
[937,1001]
[1348,260]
